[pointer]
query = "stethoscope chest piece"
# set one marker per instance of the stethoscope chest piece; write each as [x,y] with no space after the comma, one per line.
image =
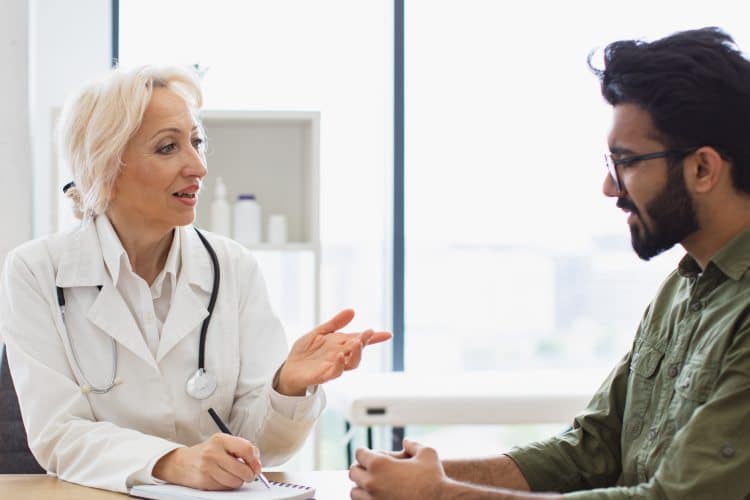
[201,384]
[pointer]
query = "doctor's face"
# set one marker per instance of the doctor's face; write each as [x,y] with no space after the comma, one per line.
[163,164]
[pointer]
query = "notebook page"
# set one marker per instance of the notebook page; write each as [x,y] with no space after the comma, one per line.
[249,491]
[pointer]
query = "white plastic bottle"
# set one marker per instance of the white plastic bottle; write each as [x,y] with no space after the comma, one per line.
[247,220]
[220,210]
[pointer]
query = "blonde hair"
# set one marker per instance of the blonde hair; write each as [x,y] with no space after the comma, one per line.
[97,123]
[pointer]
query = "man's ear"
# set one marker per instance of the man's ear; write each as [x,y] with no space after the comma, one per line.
[704,169]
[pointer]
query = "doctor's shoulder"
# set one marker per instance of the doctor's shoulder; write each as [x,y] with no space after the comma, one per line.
[41,256]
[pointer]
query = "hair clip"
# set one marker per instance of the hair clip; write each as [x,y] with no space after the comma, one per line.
[68,186]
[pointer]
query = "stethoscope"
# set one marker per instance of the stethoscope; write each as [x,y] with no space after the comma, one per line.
[200,385]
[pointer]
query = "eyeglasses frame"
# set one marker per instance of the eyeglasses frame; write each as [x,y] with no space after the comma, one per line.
[612,163]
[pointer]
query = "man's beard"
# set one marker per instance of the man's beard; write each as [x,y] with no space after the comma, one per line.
[672,216]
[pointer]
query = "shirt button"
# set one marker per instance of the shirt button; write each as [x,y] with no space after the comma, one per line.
[672,371]
[696,306]
[728,451]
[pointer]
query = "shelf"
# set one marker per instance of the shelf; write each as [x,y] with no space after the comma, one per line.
[287,247]
[271,154]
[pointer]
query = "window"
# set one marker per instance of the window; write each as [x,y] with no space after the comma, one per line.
[515,261]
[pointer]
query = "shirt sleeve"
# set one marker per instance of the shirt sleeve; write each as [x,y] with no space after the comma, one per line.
[292,407]
[588,454]
[277,424]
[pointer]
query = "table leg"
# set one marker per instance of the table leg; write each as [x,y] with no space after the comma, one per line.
[348,445]
[397,438]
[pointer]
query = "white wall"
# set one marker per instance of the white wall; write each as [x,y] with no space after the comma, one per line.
[70,43]
[15,153]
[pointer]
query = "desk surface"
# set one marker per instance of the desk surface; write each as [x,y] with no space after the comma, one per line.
[329,485]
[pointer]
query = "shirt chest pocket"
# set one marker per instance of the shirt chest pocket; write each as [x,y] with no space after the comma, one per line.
[696,380]
[643,369]
[692,388]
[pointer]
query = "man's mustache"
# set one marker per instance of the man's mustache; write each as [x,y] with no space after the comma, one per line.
[626,204]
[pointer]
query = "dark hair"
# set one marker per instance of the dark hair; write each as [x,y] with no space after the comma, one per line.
[695,85]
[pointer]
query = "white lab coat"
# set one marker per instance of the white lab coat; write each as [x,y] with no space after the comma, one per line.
[102,440]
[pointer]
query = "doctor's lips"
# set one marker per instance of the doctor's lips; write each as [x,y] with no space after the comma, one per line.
[188,192]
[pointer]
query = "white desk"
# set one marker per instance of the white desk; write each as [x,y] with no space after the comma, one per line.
[401,398]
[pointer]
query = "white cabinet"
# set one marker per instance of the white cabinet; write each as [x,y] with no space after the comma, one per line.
[275,156]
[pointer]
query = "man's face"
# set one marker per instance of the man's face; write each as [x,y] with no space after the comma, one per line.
[654,194]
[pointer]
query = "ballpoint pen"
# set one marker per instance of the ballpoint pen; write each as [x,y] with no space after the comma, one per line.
[223,428]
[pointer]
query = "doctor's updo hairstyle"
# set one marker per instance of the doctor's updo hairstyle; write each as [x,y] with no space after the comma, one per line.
[96,124]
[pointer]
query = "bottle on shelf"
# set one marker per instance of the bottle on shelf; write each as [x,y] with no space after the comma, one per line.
[247,220]
[276,232]
[220,210]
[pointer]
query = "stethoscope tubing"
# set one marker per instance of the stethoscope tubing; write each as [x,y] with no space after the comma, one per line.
[89,387]
[211,301]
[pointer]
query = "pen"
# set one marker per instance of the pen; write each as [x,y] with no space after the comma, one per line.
[223,428]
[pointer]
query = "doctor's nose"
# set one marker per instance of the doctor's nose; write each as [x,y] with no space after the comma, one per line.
[195,165]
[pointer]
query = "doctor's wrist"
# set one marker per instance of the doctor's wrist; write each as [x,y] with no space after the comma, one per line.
[282,385]
[166,468]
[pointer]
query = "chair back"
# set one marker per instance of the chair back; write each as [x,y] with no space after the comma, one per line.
[15,456]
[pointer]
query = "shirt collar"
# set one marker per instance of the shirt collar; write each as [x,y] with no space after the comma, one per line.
[115,256]
[171,267]
[733,259]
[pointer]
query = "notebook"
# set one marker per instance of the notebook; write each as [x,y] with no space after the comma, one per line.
[250,491]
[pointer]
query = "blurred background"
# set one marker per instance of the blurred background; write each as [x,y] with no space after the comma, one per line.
[511,260]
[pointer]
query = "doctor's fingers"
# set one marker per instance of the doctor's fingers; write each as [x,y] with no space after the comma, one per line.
[226,479]
[338,322]
[370,337]
[367,337]
[235,448]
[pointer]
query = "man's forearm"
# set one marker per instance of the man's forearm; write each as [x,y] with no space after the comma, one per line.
[455,490]
[498,471]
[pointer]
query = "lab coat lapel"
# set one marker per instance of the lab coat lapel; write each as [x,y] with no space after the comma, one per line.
[190,300]
[81,265]
[110,313]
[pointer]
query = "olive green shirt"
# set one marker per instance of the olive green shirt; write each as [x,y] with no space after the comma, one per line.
[672,420]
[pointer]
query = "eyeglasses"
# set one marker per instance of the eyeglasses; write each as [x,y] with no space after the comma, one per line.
[628,161]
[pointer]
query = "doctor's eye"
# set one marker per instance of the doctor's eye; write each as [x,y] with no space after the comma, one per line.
[199,143]
[166,149]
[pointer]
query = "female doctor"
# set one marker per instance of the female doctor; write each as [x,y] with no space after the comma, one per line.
[121,334]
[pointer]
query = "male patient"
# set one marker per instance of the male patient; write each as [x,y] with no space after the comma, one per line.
[672,420]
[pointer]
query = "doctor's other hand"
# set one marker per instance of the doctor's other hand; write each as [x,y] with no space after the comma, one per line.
[324,354]
[415,472]
[222,462]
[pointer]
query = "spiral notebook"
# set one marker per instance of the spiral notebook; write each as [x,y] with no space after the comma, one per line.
[250,491]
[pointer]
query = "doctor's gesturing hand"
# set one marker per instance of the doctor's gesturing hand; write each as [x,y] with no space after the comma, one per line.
[324,354]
